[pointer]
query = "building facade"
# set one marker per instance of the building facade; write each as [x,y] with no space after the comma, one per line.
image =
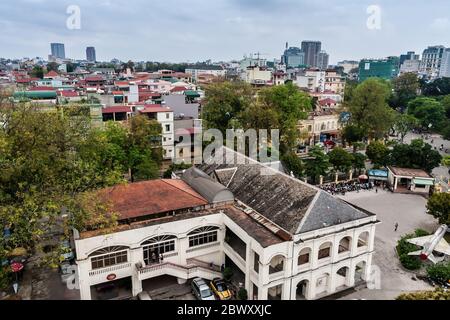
[444,71]
[90,54]
[380,68]
[205,221]
[322,60]
[431,61]
[311,50]
[58,50]
[293,57]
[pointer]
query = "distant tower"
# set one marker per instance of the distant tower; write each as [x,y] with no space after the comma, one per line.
[286,45]
[90,54]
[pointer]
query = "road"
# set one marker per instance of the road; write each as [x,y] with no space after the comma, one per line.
[409,212]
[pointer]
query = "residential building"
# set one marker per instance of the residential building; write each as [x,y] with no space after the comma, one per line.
[334,81]
[257,75]
[215,71]
[409,66]
[444,71]
[58,50]
[431,61]
[250,62]
[380,68]
[312,80]
[320,126]
[410,55]
[286,243]
[311,50]
[348,65]
[322,60]
[90,54]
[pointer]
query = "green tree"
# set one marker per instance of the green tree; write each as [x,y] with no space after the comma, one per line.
[378,153]
[52,66]
[359,161]
[439,272]
[352,134]
[437,87]
[340,159]
[439,207]
[317,163]
[225,101]
[369,109]
[37,72]
[294,164]
[404,123]
[417,154]
[405,88]
[428,111]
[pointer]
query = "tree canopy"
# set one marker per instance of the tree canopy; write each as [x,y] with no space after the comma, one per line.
[439,207]
[369,108]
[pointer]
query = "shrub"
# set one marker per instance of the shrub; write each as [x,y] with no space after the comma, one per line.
[227,273]
[242,294]
[439,272]
[404,247]
[437,294]
[5,277]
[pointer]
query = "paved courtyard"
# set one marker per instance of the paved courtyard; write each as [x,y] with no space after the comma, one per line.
[409,212]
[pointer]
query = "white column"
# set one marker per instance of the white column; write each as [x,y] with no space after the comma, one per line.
[183,245]
[83,279]
[136,256]
[262,293]
[248,266]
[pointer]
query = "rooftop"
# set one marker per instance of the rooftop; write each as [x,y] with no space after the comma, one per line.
[147,198]
[408,172]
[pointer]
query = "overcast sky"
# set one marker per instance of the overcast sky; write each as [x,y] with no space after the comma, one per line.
[196,30]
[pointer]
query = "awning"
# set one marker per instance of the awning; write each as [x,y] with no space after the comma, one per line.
[426,182]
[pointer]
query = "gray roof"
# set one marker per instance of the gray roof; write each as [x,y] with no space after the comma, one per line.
[282,199]
[211,190]
[328,211]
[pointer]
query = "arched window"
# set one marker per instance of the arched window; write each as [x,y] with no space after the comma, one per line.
[202,235]
[303,256]
[276,264]
[155,246]
[108,256]
[363,239]
[344,244]
[324,250]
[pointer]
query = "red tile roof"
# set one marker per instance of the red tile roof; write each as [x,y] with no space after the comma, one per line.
[152,108]
[115,109]
[51,74]
[94,78]
[68,94]
[151,197]
[178,89]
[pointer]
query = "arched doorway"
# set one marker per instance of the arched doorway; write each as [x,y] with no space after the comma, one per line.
[302,290]
[341,278]
[360,272]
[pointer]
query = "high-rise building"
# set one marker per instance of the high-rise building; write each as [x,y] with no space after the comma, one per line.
[90,54]
[445,64]
[293,57]
[311,50]
[431,61]
[58,50]
[379,68]
[322,60]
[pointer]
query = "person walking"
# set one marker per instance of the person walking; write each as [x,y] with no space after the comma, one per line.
[161,258]
[153,257]
[396,226]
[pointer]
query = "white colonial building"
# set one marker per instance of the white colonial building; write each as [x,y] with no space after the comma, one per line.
[282,237]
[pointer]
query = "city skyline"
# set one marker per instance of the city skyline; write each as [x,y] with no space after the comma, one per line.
[235,28]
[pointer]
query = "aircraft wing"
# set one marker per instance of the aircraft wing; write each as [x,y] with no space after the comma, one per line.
[443,247]
[421,240]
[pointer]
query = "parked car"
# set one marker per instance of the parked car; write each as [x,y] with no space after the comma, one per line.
[201,290]
[143,295]
[220,289]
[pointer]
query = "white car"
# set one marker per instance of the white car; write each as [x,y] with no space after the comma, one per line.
[201,290]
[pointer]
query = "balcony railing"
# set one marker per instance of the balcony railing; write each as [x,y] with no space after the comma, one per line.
[109,269]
